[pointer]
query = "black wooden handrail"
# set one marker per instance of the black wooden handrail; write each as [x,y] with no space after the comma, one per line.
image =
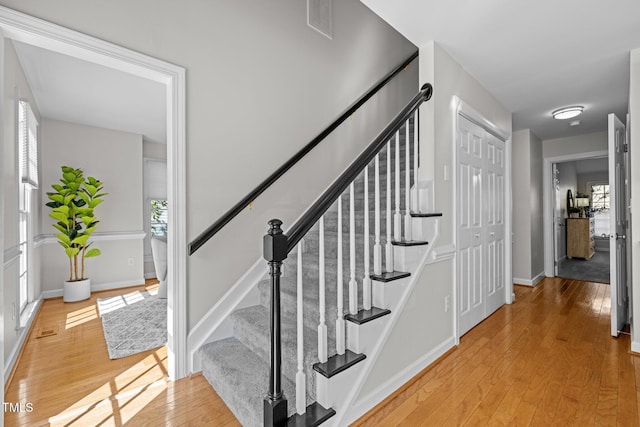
[249,198]
[313,214]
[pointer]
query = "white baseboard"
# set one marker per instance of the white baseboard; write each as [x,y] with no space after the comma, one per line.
[98,287]
[529,282]
[217,315]
[635,346]
[365,404]
[22,336]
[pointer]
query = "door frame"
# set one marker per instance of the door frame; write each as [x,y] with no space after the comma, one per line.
[461,108]
[548,202]
[28,29]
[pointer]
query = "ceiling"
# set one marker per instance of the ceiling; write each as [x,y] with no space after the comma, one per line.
[534,57]
[73,90]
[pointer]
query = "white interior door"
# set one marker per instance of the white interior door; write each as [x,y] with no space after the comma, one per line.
[495,223]
[618,217]
[481,224]
[471,255]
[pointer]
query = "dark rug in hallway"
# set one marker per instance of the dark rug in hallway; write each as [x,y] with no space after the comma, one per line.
[594,270]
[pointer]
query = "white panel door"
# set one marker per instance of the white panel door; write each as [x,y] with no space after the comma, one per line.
[471,256]
[618,217]
[494,223]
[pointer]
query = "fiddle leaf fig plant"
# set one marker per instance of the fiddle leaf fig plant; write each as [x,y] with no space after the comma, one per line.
[73,203]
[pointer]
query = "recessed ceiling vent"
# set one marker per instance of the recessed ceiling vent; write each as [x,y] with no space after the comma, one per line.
[319,16]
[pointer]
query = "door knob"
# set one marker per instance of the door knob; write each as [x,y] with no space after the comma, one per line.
[621,236]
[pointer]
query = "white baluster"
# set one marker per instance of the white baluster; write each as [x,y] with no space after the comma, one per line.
[377,248]
[301,378]
[353,284]
[407,184]
[322,327]
[366,281]
[388,247]
[397,218]
[340,326]
[415,161]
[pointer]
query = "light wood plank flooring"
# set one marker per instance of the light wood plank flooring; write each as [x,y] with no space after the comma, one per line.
[70,380]
[546,360]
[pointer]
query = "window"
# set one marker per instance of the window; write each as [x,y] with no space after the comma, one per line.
[600,208]
[28,163]
[159,215]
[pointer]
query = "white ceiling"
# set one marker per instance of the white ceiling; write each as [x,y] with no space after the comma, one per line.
[73,90]
[534,56]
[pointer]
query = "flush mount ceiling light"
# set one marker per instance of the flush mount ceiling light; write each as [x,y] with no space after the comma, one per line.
[568,112]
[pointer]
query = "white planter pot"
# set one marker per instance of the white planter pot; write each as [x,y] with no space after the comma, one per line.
[77,291]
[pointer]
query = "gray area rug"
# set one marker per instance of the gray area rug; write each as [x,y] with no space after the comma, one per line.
[594,270]
[133,323]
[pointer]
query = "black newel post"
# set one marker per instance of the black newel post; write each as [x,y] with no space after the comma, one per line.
[275,251]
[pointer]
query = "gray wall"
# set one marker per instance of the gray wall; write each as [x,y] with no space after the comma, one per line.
[115,158]
[634,153]
[260,85]
[575,144]
[528,248]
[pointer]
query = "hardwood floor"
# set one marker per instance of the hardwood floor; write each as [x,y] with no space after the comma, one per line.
[69,380]
[547,360]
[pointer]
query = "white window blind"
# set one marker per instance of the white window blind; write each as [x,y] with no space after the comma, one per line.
[28,139]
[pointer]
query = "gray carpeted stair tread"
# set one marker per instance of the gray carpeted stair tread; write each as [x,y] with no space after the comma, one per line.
[241,379]
[251,327]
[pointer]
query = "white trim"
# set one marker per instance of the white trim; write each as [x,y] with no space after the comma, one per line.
[548,201]
[22,336]
[635,346]
[529,282]
[11,255]
[372,399]
[55,293]
[46,35]
[442,253]
[217,314]
[42,239]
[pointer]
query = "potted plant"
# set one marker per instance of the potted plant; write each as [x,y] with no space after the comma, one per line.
[73,203]
[574,212]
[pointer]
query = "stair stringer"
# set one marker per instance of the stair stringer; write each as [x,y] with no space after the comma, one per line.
[215,324]
[341,390]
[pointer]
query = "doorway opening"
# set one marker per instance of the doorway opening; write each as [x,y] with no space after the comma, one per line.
[26,29]
[581,219]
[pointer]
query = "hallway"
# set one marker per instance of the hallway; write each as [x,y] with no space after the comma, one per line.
[548,359]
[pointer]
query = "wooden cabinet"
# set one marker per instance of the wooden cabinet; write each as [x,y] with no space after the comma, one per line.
[580,242]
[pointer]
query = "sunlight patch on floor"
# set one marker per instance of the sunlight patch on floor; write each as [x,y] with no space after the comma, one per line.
[117,401]
[81,316]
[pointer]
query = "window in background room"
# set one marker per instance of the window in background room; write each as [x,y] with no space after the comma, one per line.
[28,163]
[600,208]
[159,214]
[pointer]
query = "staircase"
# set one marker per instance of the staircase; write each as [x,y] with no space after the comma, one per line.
[330,297]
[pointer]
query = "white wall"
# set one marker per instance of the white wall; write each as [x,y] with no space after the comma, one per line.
[15,86]
[424,324]
[115,158]
[634,151]
[260,85]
